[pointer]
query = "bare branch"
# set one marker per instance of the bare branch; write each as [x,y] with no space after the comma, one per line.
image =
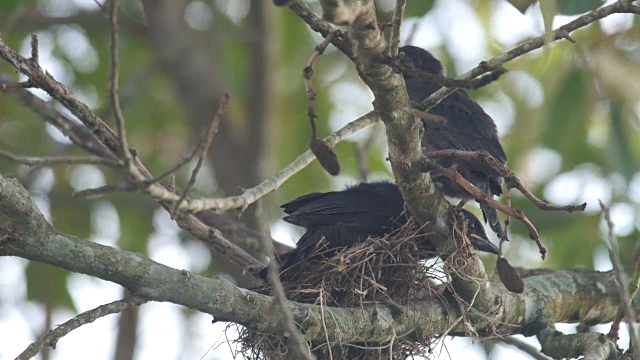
[528,349]
[307,74]
[427,165]
[432,119]
[249,196]
[590,345]
[52,336]
[114,82]
[53,160]
[204,149]
[493,74]
[77,133]
[61,93]
[394,39]
[301,347]
[625,310]
[555,292]
[35,57]
[620,6]
[215,240]
[510,178]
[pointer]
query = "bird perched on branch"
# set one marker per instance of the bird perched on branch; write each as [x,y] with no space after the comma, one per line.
[345,218]
[467,128]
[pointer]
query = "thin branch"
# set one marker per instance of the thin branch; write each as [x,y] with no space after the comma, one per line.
[625,305]
[77,133]
[114,82]
[251,195]
[35,57]
[494,73]
[279,299]
[528,349]
[511,179]
[362,148]
[53,160]
[105,189]
[394,38]
[33,238]
[427,165]
[171,171]
[18,85]
[204,149]
[136,173]
[319,25]
[216,241]
[430,119]
[43,80]
[238,232]
[307,75]
[621,6]
[52,336]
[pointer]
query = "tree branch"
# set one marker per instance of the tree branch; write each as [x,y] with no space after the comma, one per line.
[620,6]
[52,336]
[52,160]
[249,196]
[564,296]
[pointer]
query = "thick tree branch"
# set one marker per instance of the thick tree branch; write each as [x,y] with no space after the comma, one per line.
[136,173]
[592,346]
[565,296]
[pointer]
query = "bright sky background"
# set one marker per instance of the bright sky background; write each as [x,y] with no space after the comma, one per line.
[163,332]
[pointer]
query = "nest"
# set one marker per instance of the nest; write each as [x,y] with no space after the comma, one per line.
[389,270]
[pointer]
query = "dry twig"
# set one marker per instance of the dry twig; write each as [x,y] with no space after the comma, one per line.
[52,160]
[205,144]
[427,165]
[52,336]
[625,309]
[114,83]
[510,178]
[394,38]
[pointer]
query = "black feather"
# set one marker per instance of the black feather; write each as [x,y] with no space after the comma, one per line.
[468,128]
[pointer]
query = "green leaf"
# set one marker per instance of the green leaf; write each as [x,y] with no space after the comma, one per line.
[573,7]
[134,10]
[548,9]
[621,158]
[567,120]
[522,5]
[48,285]
[8,7]
[417,8]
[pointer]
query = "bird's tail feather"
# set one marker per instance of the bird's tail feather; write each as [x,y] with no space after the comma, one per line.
[491,216]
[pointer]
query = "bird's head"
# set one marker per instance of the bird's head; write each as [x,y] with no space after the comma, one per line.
[476,234]
[421,59]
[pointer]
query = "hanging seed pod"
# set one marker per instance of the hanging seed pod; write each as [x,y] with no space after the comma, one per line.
[509,276]
[326,156]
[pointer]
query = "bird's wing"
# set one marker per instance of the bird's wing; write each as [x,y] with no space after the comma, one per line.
[364,206]
[468,126]
[331,208]
[293,205]
[304,248]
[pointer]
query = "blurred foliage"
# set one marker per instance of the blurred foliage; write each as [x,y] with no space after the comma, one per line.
[586,116]
[564,7]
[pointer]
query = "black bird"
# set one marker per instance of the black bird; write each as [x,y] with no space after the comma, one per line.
[345,218]
[468,128]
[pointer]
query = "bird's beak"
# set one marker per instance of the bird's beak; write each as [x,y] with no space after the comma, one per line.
[481,244]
